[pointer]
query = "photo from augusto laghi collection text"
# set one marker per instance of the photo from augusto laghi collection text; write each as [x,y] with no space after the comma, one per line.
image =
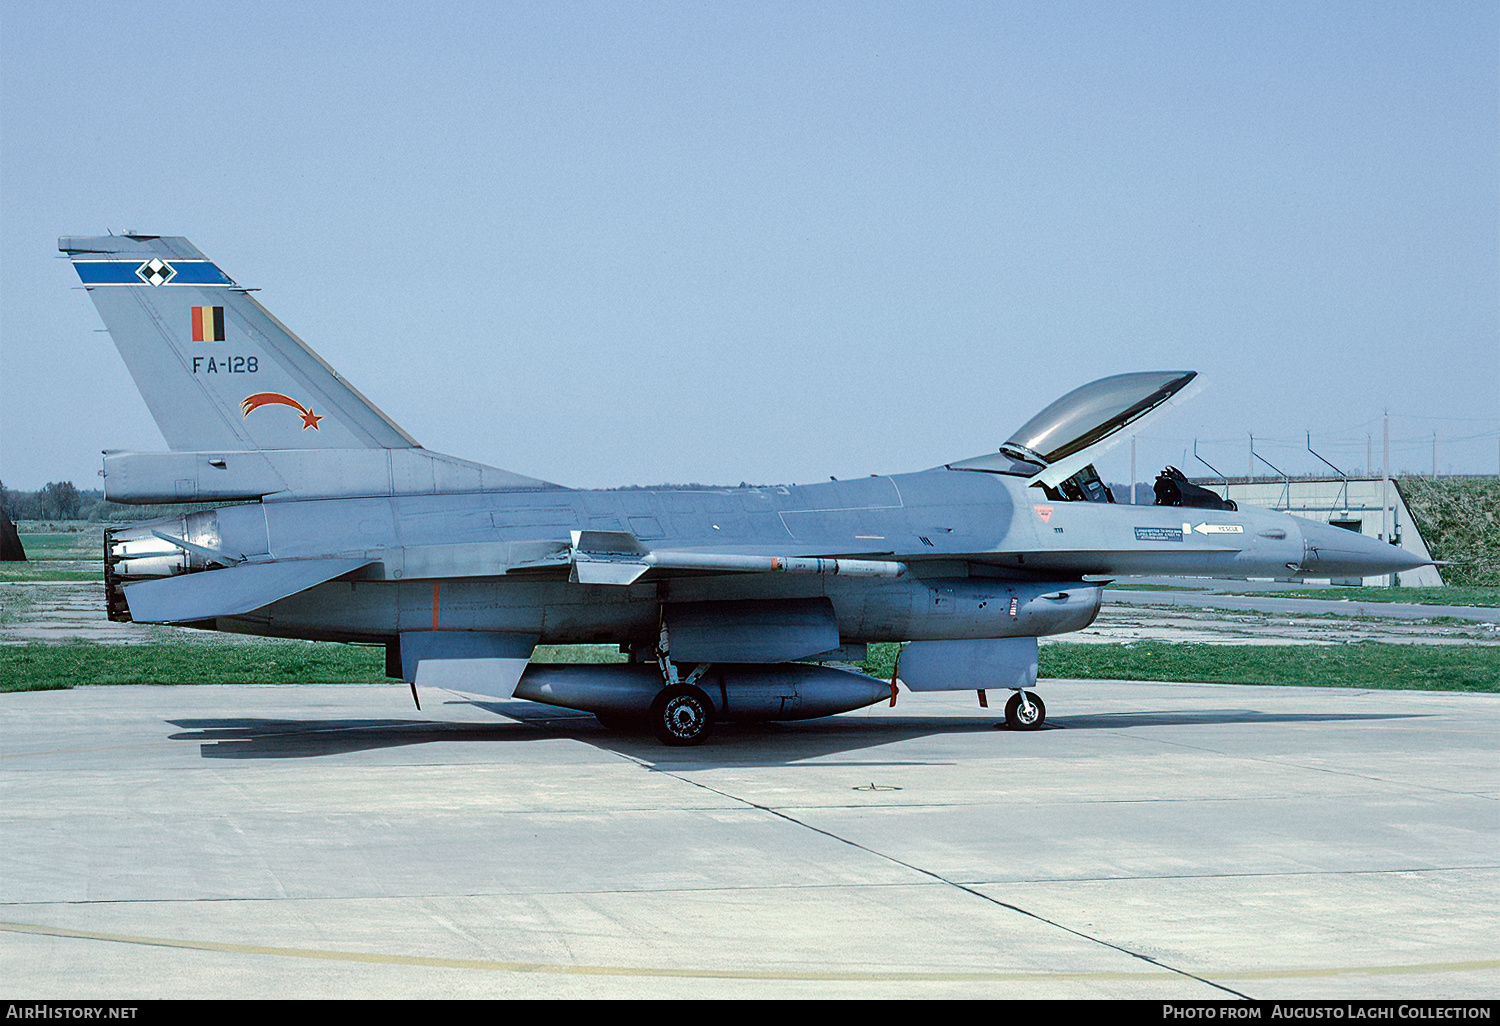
[1358,1010]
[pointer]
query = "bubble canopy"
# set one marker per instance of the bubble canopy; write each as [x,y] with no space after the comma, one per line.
[1092,412]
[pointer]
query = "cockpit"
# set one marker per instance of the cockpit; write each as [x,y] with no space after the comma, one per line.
[1057,447]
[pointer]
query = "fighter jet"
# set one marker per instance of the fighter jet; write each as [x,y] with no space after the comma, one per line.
[732,604]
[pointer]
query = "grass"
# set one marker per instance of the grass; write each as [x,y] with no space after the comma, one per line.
[13,602]
[1360,665]
[53,667]
[1365,664]
[1459,518]
[85,543]
[1130,586]
[20,573]
[53,555]
[578,654]
[1452,595]
[217,660]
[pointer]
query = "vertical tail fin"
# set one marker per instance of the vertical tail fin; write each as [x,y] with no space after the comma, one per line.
[215,368]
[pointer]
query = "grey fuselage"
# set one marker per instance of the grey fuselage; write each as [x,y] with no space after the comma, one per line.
[986,556]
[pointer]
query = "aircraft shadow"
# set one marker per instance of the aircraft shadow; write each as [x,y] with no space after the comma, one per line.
[252,738]
[733,744]
[761,744]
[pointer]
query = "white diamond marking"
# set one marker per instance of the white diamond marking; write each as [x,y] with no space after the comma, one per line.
[156,271]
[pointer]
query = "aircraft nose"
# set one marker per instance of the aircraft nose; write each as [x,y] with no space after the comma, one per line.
[1329,551]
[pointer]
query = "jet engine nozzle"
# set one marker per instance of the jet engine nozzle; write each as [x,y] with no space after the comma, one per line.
[149,549]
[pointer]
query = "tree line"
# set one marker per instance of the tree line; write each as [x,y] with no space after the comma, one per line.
[57,500]
[62,500]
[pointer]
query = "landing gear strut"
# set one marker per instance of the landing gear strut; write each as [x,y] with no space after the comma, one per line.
[681,714]
[1024,711]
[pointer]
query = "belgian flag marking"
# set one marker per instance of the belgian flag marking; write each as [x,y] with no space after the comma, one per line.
[208,324]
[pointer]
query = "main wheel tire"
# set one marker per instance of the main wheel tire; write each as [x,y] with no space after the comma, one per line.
[1015,714]
[682,715]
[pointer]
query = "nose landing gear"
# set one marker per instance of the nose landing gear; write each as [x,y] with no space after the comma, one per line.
[1025,711]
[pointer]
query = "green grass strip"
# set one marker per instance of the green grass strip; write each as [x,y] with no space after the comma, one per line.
[218,660]
[51,667]
[24,573]
[87,544]
[1456,595]
[1365,664]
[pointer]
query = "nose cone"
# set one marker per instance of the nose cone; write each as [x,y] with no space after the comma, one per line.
[1329,551]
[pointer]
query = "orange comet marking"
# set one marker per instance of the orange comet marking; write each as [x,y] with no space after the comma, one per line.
[259,399]
[434,605]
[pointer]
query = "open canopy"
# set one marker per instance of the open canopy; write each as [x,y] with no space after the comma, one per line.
[1092,412]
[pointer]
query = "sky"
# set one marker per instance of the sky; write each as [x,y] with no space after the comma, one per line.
[641,243]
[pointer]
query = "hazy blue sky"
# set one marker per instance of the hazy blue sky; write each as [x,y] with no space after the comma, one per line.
[712,242]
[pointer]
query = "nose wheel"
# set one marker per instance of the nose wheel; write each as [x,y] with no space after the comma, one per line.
[1025,711]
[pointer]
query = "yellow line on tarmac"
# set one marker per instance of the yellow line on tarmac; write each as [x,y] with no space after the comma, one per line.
[1412,969]
[870,976]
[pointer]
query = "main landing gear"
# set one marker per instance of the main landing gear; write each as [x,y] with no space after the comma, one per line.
[681,713]
[1025,711]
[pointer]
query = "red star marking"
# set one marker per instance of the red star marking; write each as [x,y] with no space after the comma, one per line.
[254,402]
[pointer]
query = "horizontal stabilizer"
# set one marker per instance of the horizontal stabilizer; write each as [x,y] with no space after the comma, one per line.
[230,591]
